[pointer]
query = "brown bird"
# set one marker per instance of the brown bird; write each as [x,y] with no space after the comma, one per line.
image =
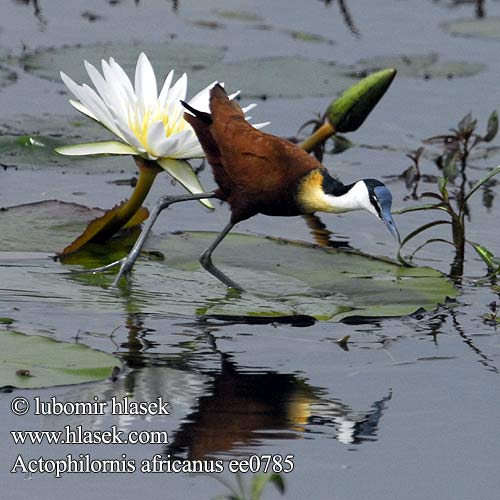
[259,173]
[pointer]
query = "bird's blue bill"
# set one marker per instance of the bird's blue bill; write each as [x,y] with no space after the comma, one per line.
[391,225]
[384,198]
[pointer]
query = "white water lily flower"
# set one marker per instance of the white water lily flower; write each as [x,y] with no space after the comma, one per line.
[146,123]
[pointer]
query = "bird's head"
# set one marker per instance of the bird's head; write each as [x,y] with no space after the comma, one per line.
[378,201]
[319,191]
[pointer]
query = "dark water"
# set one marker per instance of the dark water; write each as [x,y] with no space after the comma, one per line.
[409,411]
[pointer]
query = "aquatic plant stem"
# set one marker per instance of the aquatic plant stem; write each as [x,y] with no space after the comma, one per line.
[318,137]
[148,171]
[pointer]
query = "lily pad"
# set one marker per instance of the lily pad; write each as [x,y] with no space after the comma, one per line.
[422,66]
[488,27]
[46,226]
[304,36]
[30,362]
[285,76]
[282,278]
[239,15]
[7,77]
[47,63]
[205,23]
[288,278]
[29,142]
[289,76]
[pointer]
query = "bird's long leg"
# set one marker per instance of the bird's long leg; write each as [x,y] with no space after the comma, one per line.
[128,262]
[206,260]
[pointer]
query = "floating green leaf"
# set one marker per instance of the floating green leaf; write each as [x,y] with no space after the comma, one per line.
[7,77]
[290,76]
[282,278]
[303,36]
[239,15]
[492,127]
[488,27]
[29,142]
[284,76]
[487,256]
[47,63]
[31,361]
[46,226]
[422,66]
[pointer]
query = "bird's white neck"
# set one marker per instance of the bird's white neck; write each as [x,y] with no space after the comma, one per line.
[357,198]
[314,199]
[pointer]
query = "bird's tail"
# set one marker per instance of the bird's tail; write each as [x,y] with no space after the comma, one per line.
[204,117]
[222,108]
[201,121]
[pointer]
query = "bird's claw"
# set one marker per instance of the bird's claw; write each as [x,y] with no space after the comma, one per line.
[96,270]
[126,266]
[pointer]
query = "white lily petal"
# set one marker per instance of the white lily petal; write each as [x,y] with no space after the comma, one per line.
[258,126]
[246,109]
[122,78]
[101,85]
[97,106]
[156,137]
[191,152]
[191,147]
[145,85]
[201,99]
[93,104]
[145,123]
[167,147]
[83,109]
[74,88]
[232,96]
[162,99]
[178,90]
[97,148]
[182,172]
[121,93]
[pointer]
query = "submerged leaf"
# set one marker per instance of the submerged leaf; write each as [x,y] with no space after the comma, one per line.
[105,226]
[47,63]
[422,66]
[7,77]
[260,481]
[282,279]
[477,28]
[286,76]
[31,362]
[238,15]
[48,226]
[486,256]
[492,127]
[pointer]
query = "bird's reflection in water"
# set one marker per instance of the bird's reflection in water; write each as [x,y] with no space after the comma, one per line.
[245,409]
[233,411]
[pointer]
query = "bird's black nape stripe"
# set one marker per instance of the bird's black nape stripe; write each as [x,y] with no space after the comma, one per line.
[371,184]
[204,117]
[333,186]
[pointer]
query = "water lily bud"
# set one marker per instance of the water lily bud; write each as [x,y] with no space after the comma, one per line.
[349,111]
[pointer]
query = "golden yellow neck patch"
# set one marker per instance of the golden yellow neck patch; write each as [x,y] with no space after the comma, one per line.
[310,195]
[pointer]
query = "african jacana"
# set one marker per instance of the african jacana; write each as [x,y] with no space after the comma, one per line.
[259,173]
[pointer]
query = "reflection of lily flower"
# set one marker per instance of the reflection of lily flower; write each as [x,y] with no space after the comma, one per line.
[146,124]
